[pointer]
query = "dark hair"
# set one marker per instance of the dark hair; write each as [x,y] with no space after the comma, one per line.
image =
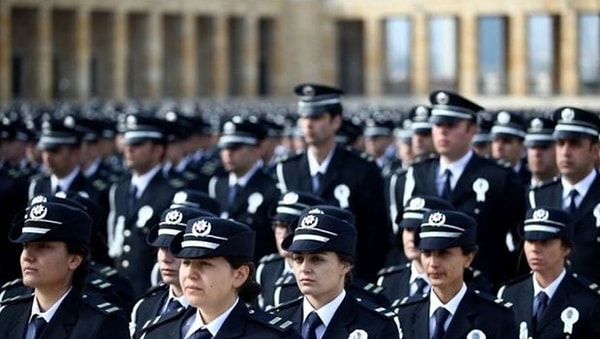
[250,289]
[81,272]
[350,261]
[468,249]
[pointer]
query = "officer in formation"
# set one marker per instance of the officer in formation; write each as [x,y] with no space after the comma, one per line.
[339,175]
[421,140]
[552,301]
[508,134]
[323,251]
[448,244]
[54,262]
[138,199]
[379,140]
[246,193]
[216,275]
[167,296]
[482,141]
[577,189]
[274,271]
[541,156]
[479,187]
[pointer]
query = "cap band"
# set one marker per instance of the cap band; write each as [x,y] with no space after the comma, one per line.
[451,112]
[541,228]
[199,243]
[44,139]
[236,139]
[288,210]
[576,129]
[508,130]
[143,135]
[310,237]
[35,230]
[168,231]
[439,234]
[412,215]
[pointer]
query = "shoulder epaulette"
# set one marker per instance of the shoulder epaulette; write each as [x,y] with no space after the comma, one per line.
[10,284]
[291,155]
[287,279]
[372,288]
[159,319]
[100,284]
[417,298]
[382,311]
[594,287]
[422,158]
[176,183]
[155,290]
[493,299]
[100,305]
[286,305]
[100,184]
[17,299]
[546,183]
[393,269]
[275,322]
[270,257]
[503,163]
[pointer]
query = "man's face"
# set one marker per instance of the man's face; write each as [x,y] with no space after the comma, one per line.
[239,159]
[575,157]
[542,161]
[319,130]
[422,144]
[507,148]
[445,267]
[376,145]
[546,256]
[142,157]
[61,161]
[453,140]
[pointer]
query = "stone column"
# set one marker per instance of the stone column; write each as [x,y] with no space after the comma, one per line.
[155,56]
[374,60]
[517,54]
[419,78]
[188,56]
[221,57]
[250,62]
[5,53]
[44,54]
[567,46]
[118,61]
[468,65]
[82,54]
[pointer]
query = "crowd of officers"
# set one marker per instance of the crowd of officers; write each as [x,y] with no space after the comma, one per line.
[448,221]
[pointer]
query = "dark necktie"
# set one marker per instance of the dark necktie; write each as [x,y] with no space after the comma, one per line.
[421,284]
[310,326]
[447,189]
[132,197]
[440,315]
[542,301]
[572,206]
[39,324]
[57,189]
[232,194]
[202,334]
[172,306]
[317,181]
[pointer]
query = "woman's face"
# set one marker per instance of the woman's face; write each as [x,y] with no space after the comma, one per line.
[48,265]
[320,275]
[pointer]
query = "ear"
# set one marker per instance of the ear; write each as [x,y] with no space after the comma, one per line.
[336,120]
[74,261]
[469,259]
[240,275]
[346,267]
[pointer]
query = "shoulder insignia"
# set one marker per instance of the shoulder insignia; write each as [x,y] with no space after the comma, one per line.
[100,305]
[383,311]
[177,183]
[594,287]
[417,298]
[393,269]
[493,299]
[16,282]
[273,321]
[270,257]
[100,184]
[517,280]
[155,290]
[372,288]
[17,299]
[100,284]
[287,279]
[286,305]
[290,156]
[159,319]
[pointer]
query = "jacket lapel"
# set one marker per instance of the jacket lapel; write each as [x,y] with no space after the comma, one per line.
[234,326]
[590,201]
[426,180]
[551,197]
[330,178]
[560,300]
[464,185]
[65,318]
[464,318]
[339,327]
[18,330]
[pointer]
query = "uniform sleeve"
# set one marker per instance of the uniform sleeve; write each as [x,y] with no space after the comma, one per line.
[508,327]
[113,327]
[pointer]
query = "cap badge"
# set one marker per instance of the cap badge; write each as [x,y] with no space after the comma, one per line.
[171,116]
[421,113]
[308,91]
[567,114]
[416,203]
[69,121]
[46,127]
[503,118]
[540,214]
[201,228]
[537,125]
[437,218]
[309,221]
[229,127]
[406,124]
[173,217]
[38,199]
[180,197]
[316,211]
[131,122]
[442,98]
[38,212]
[290,198]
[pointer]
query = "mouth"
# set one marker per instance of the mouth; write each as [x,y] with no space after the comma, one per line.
[192,289]
[168,271]
[28,270]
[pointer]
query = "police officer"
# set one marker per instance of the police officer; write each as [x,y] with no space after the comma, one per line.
[577,190]
[447,241]
[216,277]
[378,139]
[482,140]
[274,271]
[541,156]
[552,302]
[508,134]
[246,193]
[341,176]
[323,248]
[486,191]
[167,296]
[55,240]
[421,141]
[137,200]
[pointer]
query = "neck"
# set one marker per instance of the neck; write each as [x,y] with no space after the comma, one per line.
[322,151]
[450,158]
[176,289]
[418,266]
[212,312]
[318,301]
[541,177]
[46,297]
[577,177]
[446,293]
[545,278]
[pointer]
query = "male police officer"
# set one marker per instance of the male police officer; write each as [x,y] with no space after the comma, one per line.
[541,156]
[577,190]
[508,134]
[474,185]
[552,302]
[338,175]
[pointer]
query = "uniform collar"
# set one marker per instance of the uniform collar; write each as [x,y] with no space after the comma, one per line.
[214,326]
[551,289]
[451,306]
[326,312]
[456,167]
[65,182]
[35,308]
[582,186]
[243,180]
[313,165]
[142,181]
[182,300]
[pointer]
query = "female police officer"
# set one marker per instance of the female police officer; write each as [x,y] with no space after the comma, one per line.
[216,278]
[55,240]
